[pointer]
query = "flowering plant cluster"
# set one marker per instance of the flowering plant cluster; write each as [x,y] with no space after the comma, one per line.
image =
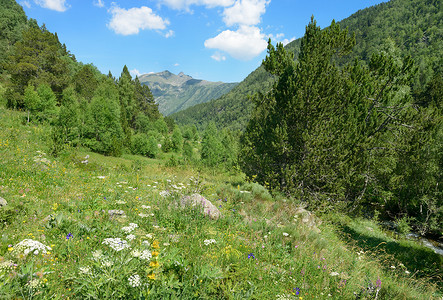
[27,246]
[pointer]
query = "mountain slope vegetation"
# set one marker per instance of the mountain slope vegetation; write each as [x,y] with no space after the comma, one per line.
[409,27]
[174,93]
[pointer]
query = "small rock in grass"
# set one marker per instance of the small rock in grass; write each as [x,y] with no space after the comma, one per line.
[198,200]
[115,213]
[3,202]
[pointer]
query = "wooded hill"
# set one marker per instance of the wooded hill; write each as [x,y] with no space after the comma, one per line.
[174,93]
[407,27]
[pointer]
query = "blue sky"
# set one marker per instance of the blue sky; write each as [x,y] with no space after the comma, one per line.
[216,40]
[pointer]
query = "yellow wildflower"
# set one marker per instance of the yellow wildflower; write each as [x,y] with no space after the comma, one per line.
[155,244]
[151,276]
[154,264]
[154,253]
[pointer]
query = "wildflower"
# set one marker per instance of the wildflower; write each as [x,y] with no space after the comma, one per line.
[116,243]
[146,207]
[297,291]
[134,280]
[154,264]
[251,255]
[146,243]
[34,283]
[27,246]
[151,276]
[285,234]
[155,253]
[130,237]
[209,242]
[135,253]
[149,236]
[393,267]
[378,283]
[97,254]
[334,274]
[155,244]
[407,272]
[69,236]
[130,228]
[85,270]
[145,255]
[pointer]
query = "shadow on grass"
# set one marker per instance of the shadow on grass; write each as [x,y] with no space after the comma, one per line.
[423,262]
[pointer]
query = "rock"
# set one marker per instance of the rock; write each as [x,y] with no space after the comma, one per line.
[3,202]
[115,213]
[307,218]
[198,200]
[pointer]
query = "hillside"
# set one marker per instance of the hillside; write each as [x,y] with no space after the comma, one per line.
[87,225]
[174,93]
[407,27]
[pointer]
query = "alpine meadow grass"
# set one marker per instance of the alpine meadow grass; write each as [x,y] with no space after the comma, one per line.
[85,226]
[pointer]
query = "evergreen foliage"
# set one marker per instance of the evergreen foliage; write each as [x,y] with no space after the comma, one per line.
[351,133]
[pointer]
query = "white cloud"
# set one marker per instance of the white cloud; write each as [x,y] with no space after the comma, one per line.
[169,33]
[279,38]
[245,12]
[57,5]
[218,56]
[185,4]
[287,41]
[244,44]
[135,72]
[131,21]
[99,3]
[26,3]
[176,64]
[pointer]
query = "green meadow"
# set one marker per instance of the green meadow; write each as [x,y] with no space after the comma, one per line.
[114,228]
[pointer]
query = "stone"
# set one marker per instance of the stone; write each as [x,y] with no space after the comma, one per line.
[198,200]
[116,213]
[3,202]
[307,218]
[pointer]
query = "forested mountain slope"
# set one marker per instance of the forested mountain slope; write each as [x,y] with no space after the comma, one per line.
[406,27]
[173,92]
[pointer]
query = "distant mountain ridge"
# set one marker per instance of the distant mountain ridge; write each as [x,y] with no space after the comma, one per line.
[174,93]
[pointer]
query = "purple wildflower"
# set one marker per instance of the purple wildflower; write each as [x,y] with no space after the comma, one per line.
[69,236]
[251,255]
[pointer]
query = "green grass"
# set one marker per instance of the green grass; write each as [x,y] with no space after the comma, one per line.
[260,251]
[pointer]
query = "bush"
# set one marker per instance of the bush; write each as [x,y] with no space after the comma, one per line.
[145,145]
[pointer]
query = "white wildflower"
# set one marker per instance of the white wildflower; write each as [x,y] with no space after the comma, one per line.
[146,207]
[164,193]
[208,242]
[101,177]
[129,228]
[334,274]
[34,283]
[116,243]
[120,202]
[146,255]
[134,280]
[146,243]
[85,270]
[97,254]
[142,215]
[150,236]
[130,237]
[136,253]
[392,267]
[285,234]
[6,265]
[106,262]
[27,246]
